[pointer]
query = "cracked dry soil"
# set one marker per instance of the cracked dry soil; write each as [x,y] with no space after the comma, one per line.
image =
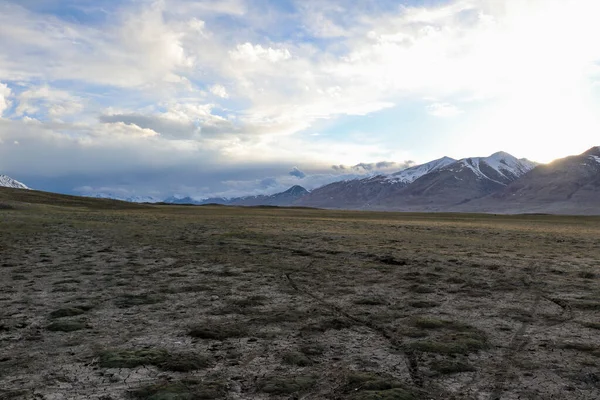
[165,302]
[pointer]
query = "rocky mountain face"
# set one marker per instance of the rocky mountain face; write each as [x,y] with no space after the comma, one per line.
[7,181]
[568,185]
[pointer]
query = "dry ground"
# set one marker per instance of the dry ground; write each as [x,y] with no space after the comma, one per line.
[102,300]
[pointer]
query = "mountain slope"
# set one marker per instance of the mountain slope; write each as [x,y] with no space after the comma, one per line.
[283,199]
[428,187]
[361,193]
[7,181]
[458,182]
[568,185]
[411,174]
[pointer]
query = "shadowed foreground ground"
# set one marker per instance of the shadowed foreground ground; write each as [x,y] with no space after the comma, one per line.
[102,300]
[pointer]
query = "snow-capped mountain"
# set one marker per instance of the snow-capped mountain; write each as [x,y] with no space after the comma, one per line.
[567,185]
[411,174]
[7,181]
[438,183]
[500,167]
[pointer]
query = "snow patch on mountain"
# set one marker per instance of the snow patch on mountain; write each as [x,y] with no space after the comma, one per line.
[506,166]
[411,174]
[7,181]
[595,158]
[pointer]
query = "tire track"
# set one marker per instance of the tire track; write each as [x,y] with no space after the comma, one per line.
[410,356]
[518,340]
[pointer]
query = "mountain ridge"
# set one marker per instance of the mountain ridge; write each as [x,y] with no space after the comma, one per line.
[7,181]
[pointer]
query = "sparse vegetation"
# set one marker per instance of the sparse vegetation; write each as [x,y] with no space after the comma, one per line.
[187,389]
[179,362]
[126,300]
[66,326]
[284,385]
[297,359]
[218,330]
[66,312]
[132,300]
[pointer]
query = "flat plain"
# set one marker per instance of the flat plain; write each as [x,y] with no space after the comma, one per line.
[108,300]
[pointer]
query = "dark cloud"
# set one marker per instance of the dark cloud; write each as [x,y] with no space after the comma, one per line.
[297,173]
[268,182]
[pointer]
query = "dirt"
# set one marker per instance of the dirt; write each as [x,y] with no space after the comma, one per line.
[296,303]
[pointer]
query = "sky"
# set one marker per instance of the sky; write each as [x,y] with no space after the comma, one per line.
[235,97]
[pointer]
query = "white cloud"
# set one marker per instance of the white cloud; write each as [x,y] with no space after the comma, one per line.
[159,65]
[52,102]
[5,93]
[219,91]
[248,52]
[443,110]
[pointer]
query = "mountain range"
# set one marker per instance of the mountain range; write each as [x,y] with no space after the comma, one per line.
[499,183]
[288,198]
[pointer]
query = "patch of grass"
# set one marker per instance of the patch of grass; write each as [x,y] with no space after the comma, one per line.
[312,349]
[327,324]
[187,289]
[423,304]
[186,389]
[421,289]
[435,323]
[390,394]
[251,301]
[370,386]
[586,305]
[591,325]
[463,345]
[218,331]
[132,300]
[178,362]
[64,281]
[583,347]
[66,326]
[447,367]
[370,301]
[282,385]
[586,275]
[66,312]
[297,359]
[64,289]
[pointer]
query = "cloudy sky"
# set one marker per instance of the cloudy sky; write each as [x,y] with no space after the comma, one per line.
[206,97]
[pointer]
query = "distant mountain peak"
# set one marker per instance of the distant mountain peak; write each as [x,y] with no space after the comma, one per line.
[7,181]
[411,174]
[296,189]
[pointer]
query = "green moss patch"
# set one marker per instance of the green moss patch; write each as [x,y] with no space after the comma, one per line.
[178,362]
[287,384]
[187,389]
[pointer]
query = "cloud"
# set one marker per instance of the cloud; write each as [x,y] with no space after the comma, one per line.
[46,101]
[297,173]
[248,52]
[443,110]
[224,85]
[5,93]
[219,91]
[377,167]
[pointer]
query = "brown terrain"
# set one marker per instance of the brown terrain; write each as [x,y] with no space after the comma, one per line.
[107,300]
